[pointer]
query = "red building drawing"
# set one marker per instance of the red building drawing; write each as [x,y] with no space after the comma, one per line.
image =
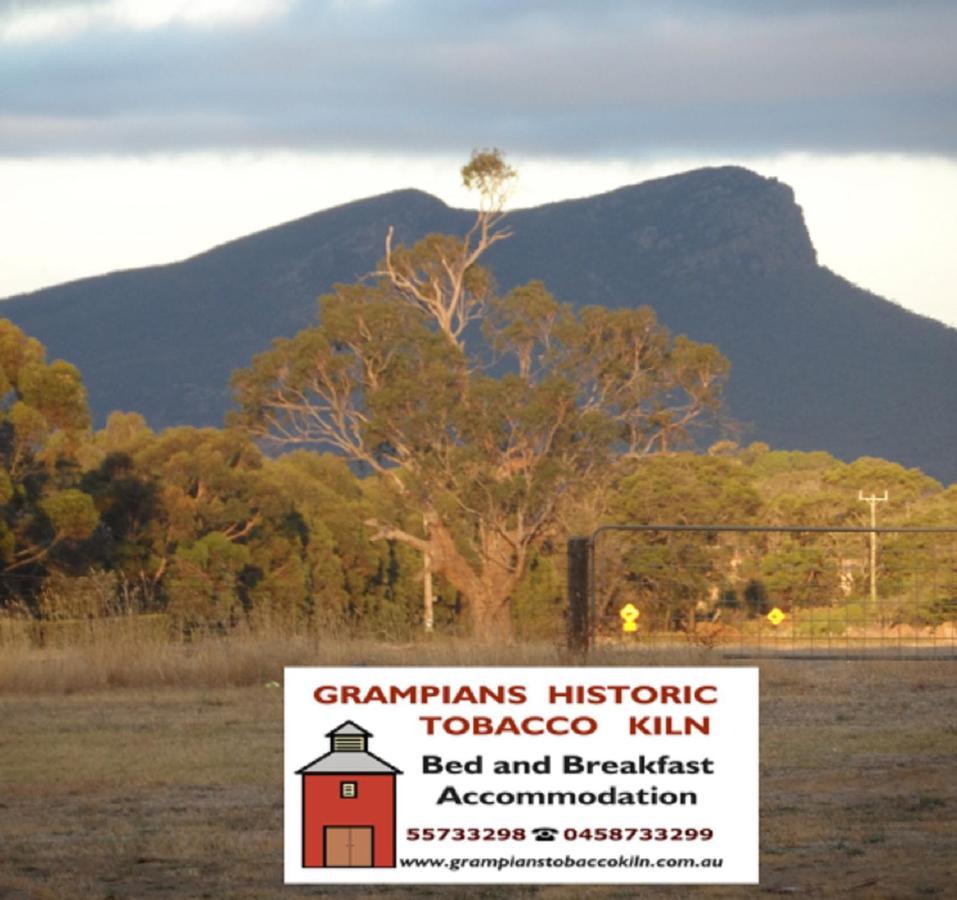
[348,804]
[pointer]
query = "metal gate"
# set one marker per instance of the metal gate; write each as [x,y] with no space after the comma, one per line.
[767,590]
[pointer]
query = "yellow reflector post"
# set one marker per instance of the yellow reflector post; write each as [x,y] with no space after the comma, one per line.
[776,617]
[629,614]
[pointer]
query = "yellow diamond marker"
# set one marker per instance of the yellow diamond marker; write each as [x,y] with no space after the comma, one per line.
[776,617]
[629,613]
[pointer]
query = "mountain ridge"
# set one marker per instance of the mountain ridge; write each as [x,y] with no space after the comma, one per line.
[722,254]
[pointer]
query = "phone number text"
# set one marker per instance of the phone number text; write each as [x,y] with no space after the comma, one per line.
[551,834]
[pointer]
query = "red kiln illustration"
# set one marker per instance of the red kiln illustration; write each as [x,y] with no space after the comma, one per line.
[348,804]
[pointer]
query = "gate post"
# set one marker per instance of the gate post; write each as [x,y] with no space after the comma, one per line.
[579,631]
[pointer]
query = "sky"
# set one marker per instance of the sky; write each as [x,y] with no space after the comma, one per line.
[135,132]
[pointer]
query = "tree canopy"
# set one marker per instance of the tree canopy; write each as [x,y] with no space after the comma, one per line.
[43,422]
[206,533]
[484,436]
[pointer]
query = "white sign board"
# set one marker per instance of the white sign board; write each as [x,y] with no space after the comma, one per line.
[521,775]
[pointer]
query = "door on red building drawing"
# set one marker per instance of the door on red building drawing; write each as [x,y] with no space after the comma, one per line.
[350,846]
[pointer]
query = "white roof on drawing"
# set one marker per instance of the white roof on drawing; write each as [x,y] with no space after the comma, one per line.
[349,763]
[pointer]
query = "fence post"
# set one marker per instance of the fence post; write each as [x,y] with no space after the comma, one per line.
[579,632]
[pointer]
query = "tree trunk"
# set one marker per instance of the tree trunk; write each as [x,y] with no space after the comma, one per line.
[490,612]
[487,589]
[487,593]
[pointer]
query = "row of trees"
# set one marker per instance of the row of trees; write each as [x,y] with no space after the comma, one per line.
[678,576]
[194,522]
[199,523]
[429,424]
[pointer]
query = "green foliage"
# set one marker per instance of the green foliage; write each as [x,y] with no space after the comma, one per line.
[800,573]
[672,575]
[929,611]
[72,514]
[483,453]
[540,599]
[352,583]
[676,578]
[685,488]
[788,463]
[44,421]
[203,583]
[488,174]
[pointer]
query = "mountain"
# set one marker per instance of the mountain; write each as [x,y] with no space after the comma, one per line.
[723,255]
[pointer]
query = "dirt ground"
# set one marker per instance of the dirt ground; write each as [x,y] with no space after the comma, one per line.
[131,793]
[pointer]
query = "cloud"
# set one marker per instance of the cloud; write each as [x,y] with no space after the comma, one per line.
[58,20]
[594,78]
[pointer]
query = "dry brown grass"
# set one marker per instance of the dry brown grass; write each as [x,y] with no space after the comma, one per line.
[171,788]
[211,662]
[116,658]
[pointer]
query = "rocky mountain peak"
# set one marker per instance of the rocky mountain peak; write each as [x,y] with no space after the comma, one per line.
[713,219]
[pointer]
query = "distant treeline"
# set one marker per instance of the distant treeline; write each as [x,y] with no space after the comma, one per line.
[201,525]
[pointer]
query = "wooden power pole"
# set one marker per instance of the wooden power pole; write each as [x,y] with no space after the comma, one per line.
[873,500]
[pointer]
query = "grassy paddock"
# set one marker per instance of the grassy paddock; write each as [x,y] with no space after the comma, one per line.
[111,658]
[170,783]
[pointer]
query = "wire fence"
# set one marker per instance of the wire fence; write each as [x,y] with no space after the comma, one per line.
[752,591]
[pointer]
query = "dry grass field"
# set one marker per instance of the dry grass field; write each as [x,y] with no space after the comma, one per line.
[157,771]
